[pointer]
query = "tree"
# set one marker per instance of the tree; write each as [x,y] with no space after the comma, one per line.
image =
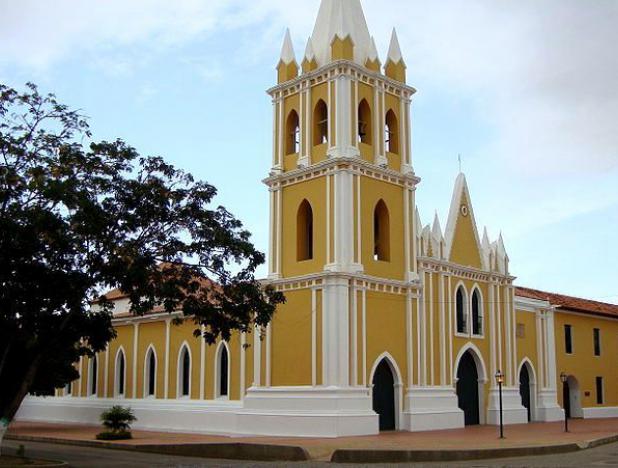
[79,217]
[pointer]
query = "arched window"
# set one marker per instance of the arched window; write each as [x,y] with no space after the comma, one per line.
[184,372]
[120,373]
[320,123]
[292,133]
[391,139]
[223,371]
[460,307]
[477,313]
[381,232]
[92,374]
[150,373]
[304,232]
[364,122]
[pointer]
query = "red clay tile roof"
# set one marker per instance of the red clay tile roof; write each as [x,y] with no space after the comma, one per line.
[563,302]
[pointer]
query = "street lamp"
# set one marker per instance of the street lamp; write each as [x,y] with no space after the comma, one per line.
[499,380]
[564,378]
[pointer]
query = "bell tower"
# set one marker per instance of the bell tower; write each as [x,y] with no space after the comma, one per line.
[342,227]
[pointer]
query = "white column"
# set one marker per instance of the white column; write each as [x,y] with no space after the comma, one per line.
[364,330]
[313,337]
[343,120]
[135,349]
[257,357]
[492,331]
[335,331]
[243,367]
[443,362]
[268,354]
[203,364]
[105,372]
[354,337]
[343,228]
[409,353]
[166,382]
[431,330]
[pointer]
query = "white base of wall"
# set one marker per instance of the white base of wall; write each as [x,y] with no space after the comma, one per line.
[601,412]
[547,408]
[431,408]
[512,410]
[309,412]
[281,411]
[207,417]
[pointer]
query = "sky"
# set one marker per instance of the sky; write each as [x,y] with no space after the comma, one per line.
[525,90]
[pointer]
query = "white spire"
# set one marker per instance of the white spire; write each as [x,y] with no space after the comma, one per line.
[287,50]
[485,241]
[437,230]
[394,51]
[417,220]
[309,54]
[340,18]
[373,51]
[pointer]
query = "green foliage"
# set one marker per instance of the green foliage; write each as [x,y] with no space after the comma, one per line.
[118,419]
[121,435]
[79,217]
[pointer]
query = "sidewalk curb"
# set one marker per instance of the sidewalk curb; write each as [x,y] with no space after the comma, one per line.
[232,450]
[400,456]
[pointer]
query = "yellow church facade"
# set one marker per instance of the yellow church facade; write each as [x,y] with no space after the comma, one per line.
[388,324]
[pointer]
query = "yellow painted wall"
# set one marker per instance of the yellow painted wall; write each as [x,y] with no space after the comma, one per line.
[526,346]
[371,192]
[386,329]
[315,193]
[582,363]
[151,333]
[291,340]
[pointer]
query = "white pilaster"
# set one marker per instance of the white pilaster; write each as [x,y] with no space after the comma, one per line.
[343,120]
[335,331]
[135,360]
[166,381]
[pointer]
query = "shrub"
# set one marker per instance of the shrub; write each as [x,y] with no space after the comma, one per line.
[117,420]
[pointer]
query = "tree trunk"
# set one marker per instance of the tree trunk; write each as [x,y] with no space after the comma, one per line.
[8,413]
[4,426]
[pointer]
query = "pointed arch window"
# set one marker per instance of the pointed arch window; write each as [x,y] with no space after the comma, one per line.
[477,313]
[120,374]
[364,122]
[304,232]
[292,127]
[184,372]
[320,123]
[93,374]
[150,373]
[223,371]
[391,137]
[381,232]
[461,310]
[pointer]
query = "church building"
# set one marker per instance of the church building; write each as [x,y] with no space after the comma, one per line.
[389,324]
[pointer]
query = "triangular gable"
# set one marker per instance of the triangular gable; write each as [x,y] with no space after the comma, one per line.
[462,239]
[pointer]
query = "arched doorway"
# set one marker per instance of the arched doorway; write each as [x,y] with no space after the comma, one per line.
[468,389]
[571,398]
[384,395]
[524,389]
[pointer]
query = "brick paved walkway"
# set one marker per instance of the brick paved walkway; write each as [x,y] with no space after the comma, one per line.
[521,435]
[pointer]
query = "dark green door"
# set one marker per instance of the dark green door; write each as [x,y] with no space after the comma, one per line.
[524,388]
[468,389]
[384,396]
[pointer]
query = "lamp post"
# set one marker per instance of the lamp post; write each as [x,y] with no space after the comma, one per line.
[499,380]
[564,378]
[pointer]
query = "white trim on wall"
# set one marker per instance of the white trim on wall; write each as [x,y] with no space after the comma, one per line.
[146,379]
[184,347]
[397,386]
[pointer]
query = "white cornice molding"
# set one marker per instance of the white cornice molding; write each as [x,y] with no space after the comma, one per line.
[355,165]
[342,67]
